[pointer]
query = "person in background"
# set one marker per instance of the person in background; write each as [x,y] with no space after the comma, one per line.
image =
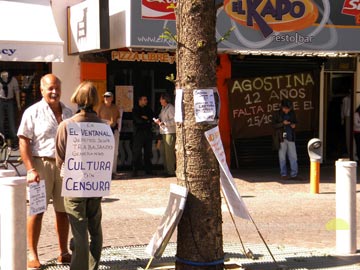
[284,123]
[167,126]
[36,134]
[357,131]
[109,112]
[142,120]
[9,95]
[84,213]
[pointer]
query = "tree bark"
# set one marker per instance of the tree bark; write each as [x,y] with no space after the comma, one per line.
[200,229]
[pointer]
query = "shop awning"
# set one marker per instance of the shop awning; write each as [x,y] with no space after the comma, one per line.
[28,32]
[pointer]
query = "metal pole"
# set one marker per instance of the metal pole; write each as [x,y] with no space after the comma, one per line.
[236,228]
[13,223]
[345,207]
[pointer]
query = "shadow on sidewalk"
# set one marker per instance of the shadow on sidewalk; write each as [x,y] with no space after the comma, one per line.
[134,258]
[311,262]
[327,175]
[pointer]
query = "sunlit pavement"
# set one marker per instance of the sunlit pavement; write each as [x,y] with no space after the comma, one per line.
[294,223]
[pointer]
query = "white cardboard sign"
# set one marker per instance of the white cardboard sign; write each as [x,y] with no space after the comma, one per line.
[169,221]
[37,198]
[88,160]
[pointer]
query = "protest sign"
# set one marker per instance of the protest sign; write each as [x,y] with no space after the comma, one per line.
[169,221]
[88,160]
[37,198]
[228,187]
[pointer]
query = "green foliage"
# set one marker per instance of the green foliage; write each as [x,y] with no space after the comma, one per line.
[171,78]
[201,44]
[226,35]
[168,35]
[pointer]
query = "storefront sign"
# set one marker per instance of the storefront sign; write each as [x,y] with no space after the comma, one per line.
[273,25]
[88,160]
[142,57]
[158,9]
[352,8]
[8,52]
[270,16]
[253,102]
[88,26]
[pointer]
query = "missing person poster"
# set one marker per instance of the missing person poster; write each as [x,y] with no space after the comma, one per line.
[204,105]
[88,160]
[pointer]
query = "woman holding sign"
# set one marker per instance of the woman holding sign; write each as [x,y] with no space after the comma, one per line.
[78,140]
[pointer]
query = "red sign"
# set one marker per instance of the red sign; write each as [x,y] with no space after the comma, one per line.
[158,9]
[352,7]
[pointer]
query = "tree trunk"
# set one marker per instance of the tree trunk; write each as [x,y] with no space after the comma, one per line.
[200,229]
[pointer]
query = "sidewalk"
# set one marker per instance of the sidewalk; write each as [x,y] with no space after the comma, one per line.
[292,221]
[134,258]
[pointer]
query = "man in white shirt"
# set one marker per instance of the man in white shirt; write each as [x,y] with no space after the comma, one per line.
[36,134]
[167,126]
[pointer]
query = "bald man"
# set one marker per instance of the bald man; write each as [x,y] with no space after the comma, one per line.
[36,134]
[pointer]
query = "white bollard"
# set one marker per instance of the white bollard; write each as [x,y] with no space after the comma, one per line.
[13,223]
[345,207]
[5,173]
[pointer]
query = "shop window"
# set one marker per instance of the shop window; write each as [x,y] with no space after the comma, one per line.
[28,75]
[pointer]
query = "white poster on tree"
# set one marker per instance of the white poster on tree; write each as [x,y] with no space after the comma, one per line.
[204,105]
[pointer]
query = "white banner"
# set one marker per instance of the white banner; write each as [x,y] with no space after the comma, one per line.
[88,160]
[178,106]
[228,186]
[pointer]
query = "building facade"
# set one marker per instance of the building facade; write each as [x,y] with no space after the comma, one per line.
[306,51]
